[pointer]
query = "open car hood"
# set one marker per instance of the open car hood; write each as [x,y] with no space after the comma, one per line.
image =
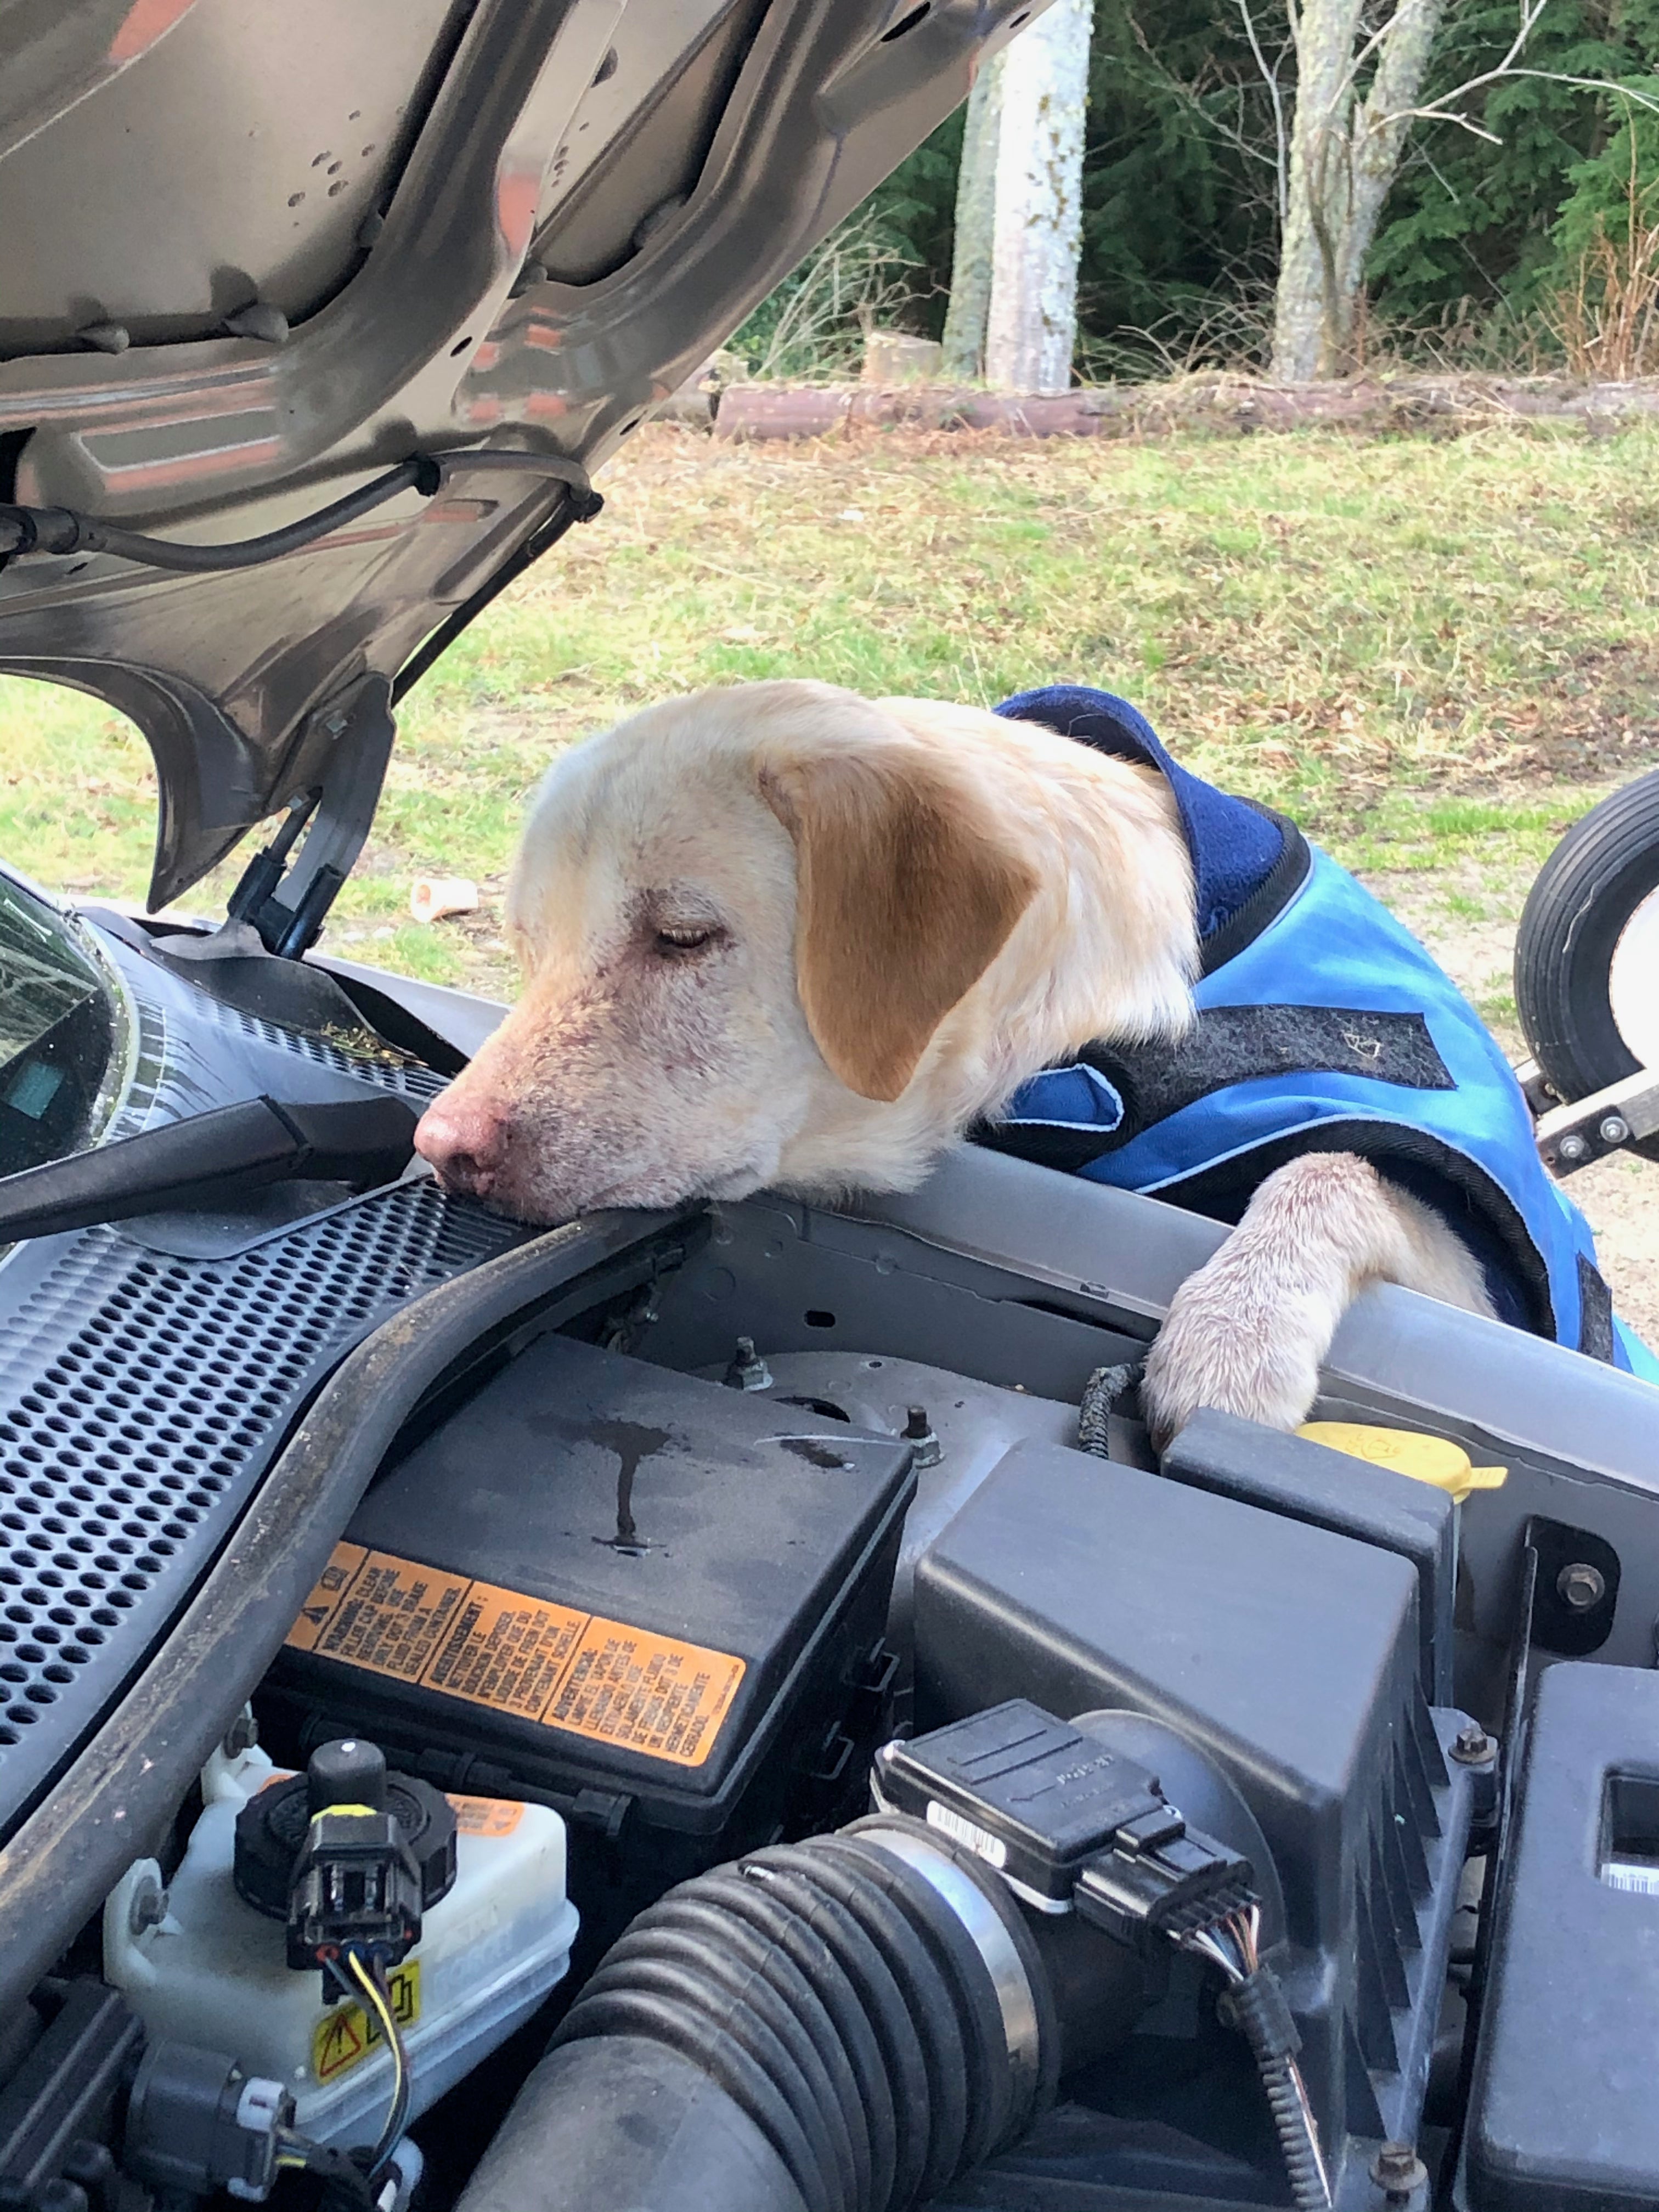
[252,257]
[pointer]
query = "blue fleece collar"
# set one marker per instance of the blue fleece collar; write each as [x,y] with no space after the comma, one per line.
[1234,847]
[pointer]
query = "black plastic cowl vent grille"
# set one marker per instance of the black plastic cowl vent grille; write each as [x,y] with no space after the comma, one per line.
[141,1397]
[389,1072]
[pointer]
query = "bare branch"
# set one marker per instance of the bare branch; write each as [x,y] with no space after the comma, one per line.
[1435,110]
[1225,134]
[1281,135]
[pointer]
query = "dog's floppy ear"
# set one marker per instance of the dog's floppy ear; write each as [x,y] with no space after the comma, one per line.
[906,889]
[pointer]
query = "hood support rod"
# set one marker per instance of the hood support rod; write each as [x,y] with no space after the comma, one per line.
[312,854]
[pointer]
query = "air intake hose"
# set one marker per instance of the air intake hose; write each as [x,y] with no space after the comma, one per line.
[838,2026]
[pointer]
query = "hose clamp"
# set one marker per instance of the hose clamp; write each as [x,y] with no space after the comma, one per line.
[990,1938]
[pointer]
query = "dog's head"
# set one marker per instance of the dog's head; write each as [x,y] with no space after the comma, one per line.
[744,920]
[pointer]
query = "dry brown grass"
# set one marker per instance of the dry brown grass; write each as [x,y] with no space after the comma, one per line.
[1427,649]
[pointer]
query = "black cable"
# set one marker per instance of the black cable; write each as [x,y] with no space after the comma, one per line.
[1271,2033]
[579,507]
[1100,1395]
[1264,2018]
[62,531]
[345,2185]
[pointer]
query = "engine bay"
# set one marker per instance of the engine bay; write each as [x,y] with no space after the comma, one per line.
[719,1551]
[726,1708]
[712,1710]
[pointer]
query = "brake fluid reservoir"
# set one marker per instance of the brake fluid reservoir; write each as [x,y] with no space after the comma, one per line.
[198,1964]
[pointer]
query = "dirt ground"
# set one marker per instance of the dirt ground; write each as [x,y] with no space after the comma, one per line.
[1620,1195]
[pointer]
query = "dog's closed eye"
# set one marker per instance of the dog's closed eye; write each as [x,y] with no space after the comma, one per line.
[674,941]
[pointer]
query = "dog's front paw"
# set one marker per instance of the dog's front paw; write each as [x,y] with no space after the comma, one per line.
[1221,1350]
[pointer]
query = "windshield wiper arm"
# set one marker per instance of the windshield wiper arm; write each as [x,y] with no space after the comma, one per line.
[213,1159]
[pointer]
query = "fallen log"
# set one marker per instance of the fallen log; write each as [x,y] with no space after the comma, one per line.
[1240,404]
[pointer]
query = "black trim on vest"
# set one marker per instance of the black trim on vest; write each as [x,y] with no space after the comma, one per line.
[1044,1144]
[1243,1044]
[1267,901]
[1228,1045]
[1594,1313]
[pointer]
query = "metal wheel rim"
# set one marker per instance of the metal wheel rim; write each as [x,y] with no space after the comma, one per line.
[1633,982]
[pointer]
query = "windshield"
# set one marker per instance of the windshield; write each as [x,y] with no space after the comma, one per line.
[58,1032]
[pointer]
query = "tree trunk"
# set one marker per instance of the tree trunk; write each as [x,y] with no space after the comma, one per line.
[1379,139]
[976,224]
[1032,328]
[1344,153]
[1304,302]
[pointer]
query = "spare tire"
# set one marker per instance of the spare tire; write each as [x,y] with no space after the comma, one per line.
[1587,954]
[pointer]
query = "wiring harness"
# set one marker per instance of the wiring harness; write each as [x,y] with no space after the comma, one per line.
[62,531]
[1257,2005]
[349,1857]
[366,2179]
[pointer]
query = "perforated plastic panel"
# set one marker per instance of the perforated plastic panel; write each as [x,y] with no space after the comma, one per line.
[389,1072]
[141,1397]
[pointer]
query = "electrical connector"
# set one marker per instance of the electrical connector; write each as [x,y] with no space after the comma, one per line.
[354,1885]
[1074,1827]
[347,1856]
[1163,1876]
[1069,1824]
[196,2124]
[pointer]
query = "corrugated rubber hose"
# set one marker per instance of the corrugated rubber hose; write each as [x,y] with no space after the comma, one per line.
[838,2026]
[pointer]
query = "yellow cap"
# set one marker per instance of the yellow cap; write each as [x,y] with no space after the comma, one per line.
[1425,1459]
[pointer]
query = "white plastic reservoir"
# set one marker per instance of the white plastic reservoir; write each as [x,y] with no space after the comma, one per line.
[200,1966]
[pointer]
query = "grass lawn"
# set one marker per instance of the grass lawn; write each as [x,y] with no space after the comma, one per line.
[1434,652]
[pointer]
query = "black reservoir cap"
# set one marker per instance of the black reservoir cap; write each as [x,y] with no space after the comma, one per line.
[273,1827]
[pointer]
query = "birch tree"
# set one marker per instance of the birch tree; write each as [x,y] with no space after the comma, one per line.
[1345,151]
[970,309]
[1031,330]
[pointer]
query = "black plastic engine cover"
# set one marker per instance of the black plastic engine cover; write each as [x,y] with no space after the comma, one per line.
[645,1595]
[1564,2107]
[1308,1481]
[1289,1656]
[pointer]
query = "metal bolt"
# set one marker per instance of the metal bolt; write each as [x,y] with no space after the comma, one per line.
[1580,1586]
[1398,2171]
[1572,1147]
[1614,1130]
[1473,1746]
[926,1449]
[148,1909]
[747,1370]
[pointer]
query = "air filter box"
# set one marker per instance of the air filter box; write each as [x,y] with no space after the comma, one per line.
[654,1601]
[1289,1655]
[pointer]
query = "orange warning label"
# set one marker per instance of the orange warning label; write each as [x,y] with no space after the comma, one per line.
[505,1650]
[486,1816]
[330,1587]
[628,1686]
[391,1616]
[592,1677]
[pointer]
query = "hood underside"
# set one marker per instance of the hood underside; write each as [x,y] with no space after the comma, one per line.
[252,257]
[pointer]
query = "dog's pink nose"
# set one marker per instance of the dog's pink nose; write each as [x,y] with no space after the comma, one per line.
[466,1144]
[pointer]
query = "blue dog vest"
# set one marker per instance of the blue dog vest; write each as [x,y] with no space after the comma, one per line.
[1322,1026]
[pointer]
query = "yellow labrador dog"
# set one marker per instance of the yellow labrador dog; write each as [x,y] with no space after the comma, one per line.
[782,935]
